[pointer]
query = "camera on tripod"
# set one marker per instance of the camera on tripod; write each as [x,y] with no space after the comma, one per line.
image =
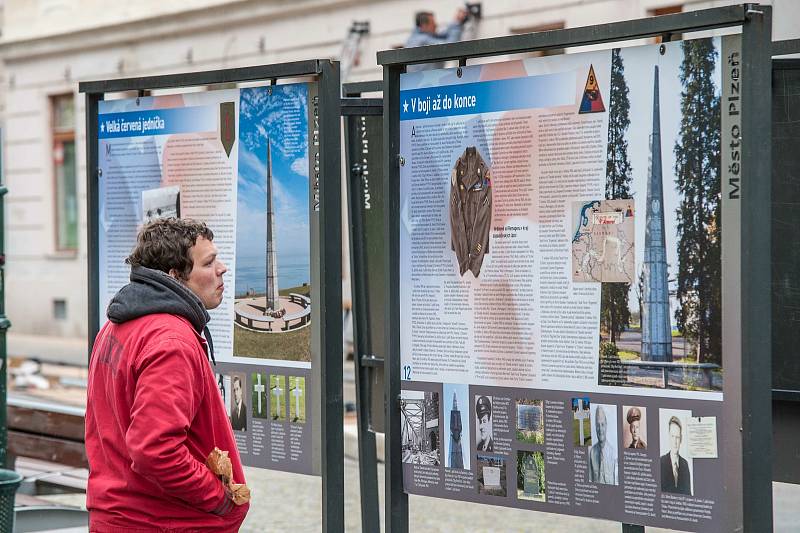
[474,10]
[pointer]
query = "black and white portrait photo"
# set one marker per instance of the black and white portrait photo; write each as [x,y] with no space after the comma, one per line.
[484,441]
[238,407]
[675,463]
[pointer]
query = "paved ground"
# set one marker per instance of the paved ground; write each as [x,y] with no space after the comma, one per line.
[292,502]
[436,515]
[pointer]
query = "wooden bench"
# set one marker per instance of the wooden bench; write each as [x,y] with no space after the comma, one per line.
[666,366]
[46,431]
[42,477]
[46,447]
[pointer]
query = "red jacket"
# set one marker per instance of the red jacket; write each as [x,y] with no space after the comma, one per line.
[153,414]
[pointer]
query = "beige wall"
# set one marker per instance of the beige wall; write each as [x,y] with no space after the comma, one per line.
[39,18]
[47,46]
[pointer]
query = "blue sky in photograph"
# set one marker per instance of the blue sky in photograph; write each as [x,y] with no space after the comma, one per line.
[280,118]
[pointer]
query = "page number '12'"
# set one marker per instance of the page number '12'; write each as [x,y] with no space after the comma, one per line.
[407,372]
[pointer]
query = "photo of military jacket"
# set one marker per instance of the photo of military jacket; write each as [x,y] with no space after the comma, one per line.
[470,210]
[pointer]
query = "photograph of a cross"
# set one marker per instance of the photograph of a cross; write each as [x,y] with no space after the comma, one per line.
[259,388]
[580,416]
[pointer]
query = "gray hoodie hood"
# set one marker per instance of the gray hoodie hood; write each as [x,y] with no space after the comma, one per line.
[152,291]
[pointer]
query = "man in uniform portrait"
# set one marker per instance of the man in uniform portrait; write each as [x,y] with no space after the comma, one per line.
[675,474]
[634,418]
[603,454]
[483,412]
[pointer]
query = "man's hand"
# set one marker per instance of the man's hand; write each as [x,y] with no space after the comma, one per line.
[220,464]
[240,493]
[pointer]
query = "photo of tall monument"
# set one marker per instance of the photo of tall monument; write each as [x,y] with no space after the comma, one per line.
[457,426]
[271,312]
[655,322]
[663,330]
[272,298]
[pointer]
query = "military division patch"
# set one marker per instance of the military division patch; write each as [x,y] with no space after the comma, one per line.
[592,101]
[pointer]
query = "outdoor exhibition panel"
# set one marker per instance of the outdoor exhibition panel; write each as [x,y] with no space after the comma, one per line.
[260,165]
[579,274]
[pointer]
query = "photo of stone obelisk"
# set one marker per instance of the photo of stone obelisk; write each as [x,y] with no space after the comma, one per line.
[656,331]
[273,302]
[273,242]
[456,453]
[270,312]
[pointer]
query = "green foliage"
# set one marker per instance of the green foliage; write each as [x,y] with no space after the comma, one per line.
[531,437]
[537,458]
[618,165]
[303,290]
[628,356]
[587,432]
[608,350]
[614,313]
[697,171]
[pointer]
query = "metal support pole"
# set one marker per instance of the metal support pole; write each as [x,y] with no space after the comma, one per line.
[396,516]
[362,118]
[4,325]
[92,221]
[367,454]
[756,397]
[330,191]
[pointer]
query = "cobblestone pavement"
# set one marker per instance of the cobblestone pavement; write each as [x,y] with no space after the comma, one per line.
[293,502]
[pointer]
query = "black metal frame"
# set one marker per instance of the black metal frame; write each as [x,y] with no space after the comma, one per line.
[756,23]
[780,48]
[789,46]
[364,359]
[331,441]
[786,418]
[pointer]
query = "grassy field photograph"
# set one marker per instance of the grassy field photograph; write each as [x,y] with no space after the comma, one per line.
[292,345]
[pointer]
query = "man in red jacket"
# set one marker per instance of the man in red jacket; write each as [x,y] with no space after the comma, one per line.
[154,411]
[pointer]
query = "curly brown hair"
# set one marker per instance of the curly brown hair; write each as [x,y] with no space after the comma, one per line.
[164,243]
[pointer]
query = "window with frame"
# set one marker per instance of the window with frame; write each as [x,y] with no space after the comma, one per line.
[666,10]
[64,172]
[559,25]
